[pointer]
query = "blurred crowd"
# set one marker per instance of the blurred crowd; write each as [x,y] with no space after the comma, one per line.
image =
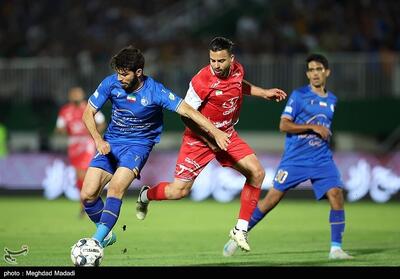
[100,27]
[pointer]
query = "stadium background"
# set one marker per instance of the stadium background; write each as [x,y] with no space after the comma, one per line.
[48,46]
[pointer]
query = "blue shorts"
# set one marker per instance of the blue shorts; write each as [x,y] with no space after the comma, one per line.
[131,156]
[322,177]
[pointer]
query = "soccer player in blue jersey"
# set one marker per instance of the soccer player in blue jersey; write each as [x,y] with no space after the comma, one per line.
[136,125]
[306,120]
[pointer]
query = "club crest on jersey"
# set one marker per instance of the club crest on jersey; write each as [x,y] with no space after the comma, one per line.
[218,92]
[171,96]
[131,98]
[144,102]
[323,104]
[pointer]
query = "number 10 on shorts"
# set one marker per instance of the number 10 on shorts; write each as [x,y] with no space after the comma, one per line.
[281,176]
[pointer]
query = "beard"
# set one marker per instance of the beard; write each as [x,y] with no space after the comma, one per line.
[132,85]
[224,73]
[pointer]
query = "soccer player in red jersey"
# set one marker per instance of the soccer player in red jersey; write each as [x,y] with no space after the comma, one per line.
[217,92]
[81,147]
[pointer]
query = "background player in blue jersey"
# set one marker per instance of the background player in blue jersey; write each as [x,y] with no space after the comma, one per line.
[307,120]
[136,125]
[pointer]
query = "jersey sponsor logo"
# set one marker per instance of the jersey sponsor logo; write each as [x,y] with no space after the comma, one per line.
[319,119]
[281,176]
[144,102]
[315,142]
[230,105]
[223,123]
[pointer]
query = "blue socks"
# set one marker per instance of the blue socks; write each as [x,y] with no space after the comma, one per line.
[94,209]
[108,218]
[336,219]
[256,217]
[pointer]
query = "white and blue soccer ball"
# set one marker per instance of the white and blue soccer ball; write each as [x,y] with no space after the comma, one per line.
[87,252]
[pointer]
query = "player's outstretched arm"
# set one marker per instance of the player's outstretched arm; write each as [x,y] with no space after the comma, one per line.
[102,146]
[221,138]
[286,125]
[201,133]
[268,94]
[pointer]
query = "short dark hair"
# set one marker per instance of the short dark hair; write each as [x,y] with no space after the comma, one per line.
[221,43]
[318,58]
[128,58]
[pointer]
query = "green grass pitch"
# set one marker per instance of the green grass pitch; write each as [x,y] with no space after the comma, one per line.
[188,233]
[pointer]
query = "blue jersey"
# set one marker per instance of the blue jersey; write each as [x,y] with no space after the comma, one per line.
[136,117]
[306,107]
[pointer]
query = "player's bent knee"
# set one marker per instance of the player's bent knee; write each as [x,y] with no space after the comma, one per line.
[258,176]
[87,197]
[336,193]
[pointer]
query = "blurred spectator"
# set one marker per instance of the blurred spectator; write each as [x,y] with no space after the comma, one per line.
[70,27]
[81,147]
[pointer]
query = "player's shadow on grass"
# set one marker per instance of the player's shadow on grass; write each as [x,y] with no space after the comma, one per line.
[296,252]
[368,251]
[253,259]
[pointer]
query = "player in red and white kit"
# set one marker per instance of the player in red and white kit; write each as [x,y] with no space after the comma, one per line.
[81,147]
[217,92]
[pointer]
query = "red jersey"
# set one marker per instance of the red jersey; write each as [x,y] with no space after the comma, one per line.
[81,147]
[217,99]
[70,118]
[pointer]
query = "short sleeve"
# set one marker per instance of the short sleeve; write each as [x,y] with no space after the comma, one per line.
[192,98]
[167,99]
[101,95]
[292,106]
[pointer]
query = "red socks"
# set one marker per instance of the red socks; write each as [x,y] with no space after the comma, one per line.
[248,201]
[157,192]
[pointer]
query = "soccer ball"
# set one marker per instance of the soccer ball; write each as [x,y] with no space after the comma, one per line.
[87,252]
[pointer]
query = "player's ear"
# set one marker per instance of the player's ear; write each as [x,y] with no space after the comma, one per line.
[232,57]
[139,72]
[308,74]
[327,72]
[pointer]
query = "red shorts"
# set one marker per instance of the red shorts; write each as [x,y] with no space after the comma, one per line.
[80,154]
[194,156]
